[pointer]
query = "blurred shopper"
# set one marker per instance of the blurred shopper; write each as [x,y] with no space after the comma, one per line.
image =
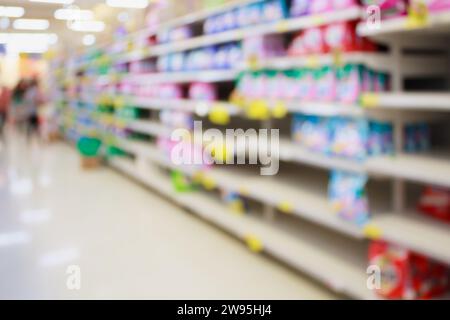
[32,101]
[5,99]
[17,110]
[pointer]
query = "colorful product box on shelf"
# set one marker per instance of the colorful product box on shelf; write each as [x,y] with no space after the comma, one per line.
[177,119]
[436,5]
[349,138]
[263,47]
[407,275]
[353,80]
[435,202]
[325,84]
[169,91]
[234,201]
[347,195]
[389,8]
[203,91]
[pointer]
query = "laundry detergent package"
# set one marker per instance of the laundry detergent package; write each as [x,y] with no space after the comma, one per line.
[325,84]
[435,202]
[381,138]
[437,5]
[320,6]
[349,138]
[405,274]
[299,8]
[263,47]
[352,81]
[305,85]
[347,195]
[273,10]
[309,41]
[312,132]
[203,91]
[389,8]
[342,37]
[417,137]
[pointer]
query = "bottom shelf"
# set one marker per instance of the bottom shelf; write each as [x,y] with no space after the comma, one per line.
[337,262]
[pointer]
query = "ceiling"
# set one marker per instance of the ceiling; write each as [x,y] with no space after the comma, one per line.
[67,37]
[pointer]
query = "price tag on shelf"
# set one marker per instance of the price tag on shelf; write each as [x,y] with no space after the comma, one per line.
[282,26]
[119,102]
[253,62]
[370,100]
[338,59]
[286,207]
[372,232]
[279,110]
[417,15]
[318,20]
[243,191]
[208,183]
[219,115]
[258,110]
[254,243]
[312,61]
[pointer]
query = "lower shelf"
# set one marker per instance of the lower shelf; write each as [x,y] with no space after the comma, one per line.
[336,262]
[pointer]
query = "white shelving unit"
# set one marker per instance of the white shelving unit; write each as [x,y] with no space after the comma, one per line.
[331,250]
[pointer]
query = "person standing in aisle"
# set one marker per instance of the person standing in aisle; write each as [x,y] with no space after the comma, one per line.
[5,99]
[33,99]
[17,110]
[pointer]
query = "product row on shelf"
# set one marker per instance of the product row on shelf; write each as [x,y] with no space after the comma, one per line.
[364,172]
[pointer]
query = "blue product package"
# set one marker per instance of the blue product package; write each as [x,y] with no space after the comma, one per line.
[299,8]
[347,195]
[273,10]
[350,138]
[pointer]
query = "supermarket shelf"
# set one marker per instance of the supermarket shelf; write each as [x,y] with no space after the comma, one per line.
[377,61]
[326,109]
[291,152]
[282,26]
[430,169]
[180,77]
[318,255]
[408,101]
[436,23]
[148,127]
[199,107]
[419,233]
[290,197]
[294,198]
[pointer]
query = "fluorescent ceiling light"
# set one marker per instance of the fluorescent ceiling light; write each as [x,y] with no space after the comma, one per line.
[133,4]
[74,14]
[87,26]
[31,24]
[11,12]
[89,40]
[54,1]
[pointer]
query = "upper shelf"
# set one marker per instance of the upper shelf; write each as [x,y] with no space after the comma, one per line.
[282,26]
[429,169]
[436,23]
[413,101]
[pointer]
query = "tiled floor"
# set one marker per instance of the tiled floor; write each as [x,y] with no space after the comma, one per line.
[127,242]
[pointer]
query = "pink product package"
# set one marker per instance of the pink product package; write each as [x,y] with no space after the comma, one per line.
[263,47]
[344,4]
[319,6]
[305,86]
[308,42]
[326,85]
[389,8]
[170,91]
[437,5]
[203,91]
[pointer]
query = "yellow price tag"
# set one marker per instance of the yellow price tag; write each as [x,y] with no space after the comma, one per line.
[208,183]
[253,62]
[318,20]
[370,100]
[312,61]
[219,115]
[237,207]
[286,207]
[258,110]
[254,243]
[119,102]
[279,111]
[417,15]
[282,26]
[244,191]
[338,59]
[373,232]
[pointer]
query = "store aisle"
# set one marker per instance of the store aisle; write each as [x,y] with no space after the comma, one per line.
[128,242]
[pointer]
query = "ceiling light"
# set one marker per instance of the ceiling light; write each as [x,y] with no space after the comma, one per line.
[89,40]
[11,12]
[54,1]
[73,14]
[133,4]
[87,26]
[31,24]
